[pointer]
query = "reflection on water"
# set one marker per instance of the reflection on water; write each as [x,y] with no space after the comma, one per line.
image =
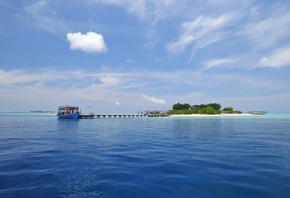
[67,124]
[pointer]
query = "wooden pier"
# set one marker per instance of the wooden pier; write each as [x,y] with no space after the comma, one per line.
[119,115]
[86,116]
[90,116]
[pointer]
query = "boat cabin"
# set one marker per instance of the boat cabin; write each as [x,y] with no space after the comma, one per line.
[62,110]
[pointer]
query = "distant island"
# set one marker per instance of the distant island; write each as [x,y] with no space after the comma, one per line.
[41,111]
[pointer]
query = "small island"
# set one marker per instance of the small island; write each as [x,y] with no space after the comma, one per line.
[208,109]
[202,109]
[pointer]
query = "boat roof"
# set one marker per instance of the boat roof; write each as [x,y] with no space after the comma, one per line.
[68,106]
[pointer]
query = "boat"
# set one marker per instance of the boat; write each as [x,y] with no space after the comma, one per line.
[68,112]
[257,112]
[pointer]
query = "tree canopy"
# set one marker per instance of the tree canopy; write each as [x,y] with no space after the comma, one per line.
[179,106]
[211,108]
[228,109]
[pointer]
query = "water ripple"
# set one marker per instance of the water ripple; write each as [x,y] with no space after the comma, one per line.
[145,157]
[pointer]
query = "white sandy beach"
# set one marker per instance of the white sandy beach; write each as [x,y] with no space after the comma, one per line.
[211,115]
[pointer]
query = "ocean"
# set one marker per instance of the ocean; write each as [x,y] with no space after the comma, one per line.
[178,156]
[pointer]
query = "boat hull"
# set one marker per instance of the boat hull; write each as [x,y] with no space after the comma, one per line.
[68,116]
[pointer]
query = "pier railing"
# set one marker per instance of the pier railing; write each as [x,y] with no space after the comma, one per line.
[120,115]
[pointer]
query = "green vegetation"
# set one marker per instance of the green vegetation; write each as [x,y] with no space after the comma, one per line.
[182,111]
[230,110]
[179,106]
[208,110]
[211,108]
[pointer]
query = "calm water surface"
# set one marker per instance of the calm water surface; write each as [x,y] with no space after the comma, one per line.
[220,156]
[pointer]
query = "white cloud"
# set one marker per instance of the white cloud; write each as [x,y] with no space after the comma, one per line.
[269,31]
[194,95]
[34,8]
[117,103]
[126,87]
[216,62]
[201,32]
[137,7]
[153,99]
[155,10]
[110,80]
[91,42]
[129,61]
[14,77]
[42,15]
[281,58]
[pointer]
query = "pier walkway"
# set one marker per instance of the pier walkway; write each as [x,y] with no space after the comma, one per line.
[120,115]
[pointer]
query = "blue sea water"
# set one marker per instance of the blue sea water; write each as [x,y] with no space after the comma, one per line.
[212,156]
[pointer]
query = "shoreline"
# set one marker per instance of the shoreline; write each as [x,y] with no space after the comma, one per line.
[207,115]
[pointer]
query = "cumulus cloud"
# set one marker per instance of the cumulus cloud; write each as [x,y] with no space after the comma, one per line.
[281,58]
[153,99]
[91,42]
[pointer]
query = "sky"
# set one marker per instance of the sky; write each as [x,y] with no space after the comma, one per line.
[123,56]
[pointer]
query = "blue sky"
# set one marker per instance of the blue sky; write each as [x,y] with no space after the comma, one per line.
[122,56]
